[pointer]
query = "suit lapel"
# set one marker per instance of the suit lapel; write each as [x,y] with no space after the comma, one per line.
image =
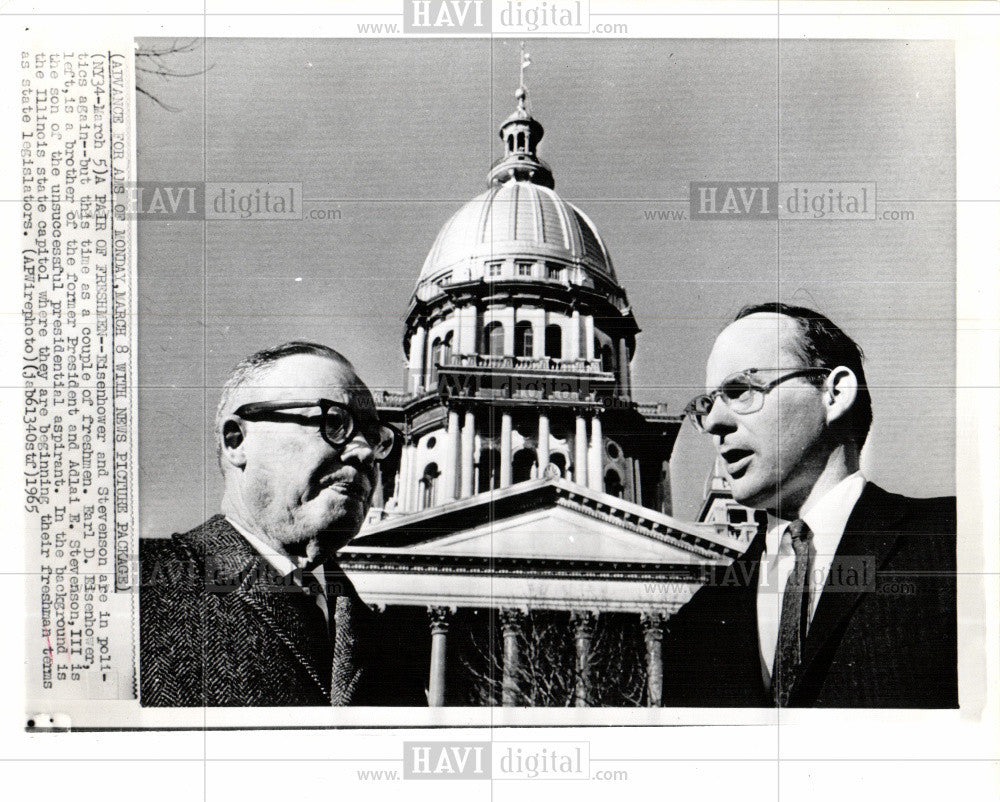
[868,540]
[233,566]
[344,614]
[746,629]
[293,617]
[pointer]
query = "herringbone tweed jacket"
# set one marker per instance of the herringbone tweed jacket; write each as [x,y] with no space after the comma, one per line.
[219,627]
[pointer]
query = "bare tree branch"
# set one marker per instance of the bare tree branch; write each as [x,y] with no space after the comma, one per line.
[154,61]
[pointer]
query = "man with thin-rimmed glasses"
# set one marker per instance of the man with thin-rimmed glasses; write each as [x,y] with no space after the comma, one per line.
[848,600]
[250,609]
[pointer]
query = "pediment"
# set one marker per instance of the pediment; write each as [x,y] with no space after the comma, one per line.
[554,533]
[546,521]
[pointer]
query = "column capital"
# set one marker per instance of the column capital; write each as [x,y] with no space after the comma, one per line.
[440,618]
[584,622]
[512,619]
[652,624]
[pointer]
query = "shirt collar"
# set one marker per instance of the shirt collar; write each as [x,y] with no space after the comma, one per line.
[280,562]
[827,518]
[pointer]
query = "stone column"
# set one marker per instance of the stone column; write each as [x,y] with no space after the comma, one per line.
[506,455]
[584,624]
[573,351]
[448,475]
[404,469]
[595,472]
[664,500]
[543,444]
[624,372]
[468,330]
[652,627]
[440,618]
[468,446]
[580,452]
[512,622]
[588,334]
[636,482]
[418,343]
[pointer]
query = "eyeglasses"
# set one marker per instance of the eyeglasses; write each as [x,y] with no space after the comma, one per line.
[336,423]
[742,393]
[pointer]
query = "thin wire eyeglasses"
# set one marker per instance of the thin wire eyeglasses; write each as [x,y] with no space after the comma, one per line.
[742,393]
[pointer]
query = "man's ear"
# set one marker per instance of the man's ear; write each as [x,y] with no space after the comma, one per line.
[233,440]
[839,393]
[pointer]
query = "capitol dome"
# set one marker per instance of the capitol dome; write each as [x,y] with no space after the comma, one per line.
[519,229]
[519,220]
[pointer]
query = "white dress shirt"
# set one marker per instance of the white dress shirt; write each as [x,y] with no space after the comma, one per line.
[285,565]
[827,519]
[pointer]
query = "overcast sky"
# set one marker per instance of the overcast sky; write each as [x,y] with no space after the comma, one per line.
[400,133]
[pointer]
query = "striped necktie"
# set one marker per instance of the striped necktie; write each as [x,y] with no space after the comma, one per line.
[794,616]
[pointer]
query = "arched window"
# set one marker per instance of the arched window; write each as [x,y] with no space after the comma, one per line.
[613,484]
[523,339]
[524,460]
[607,359]
[436,352]
[489,470]
[428,486]
[553,341]
[558,461]
[520,140]
[493,339]
[510,142]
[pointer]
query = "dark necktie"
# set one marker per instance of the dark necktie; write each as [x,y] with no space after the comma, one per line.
[318,645]
[794,616]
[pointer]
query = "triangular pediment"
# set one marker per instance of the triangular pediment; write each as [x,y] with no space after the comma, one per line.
[546,520]
[554,533]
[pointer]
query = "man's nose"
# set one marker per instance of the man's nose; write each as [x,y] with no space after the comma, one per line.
[720,419]
[358,448]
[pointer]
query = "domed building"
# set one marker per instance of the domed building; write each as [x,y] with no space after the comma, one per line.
[530,485]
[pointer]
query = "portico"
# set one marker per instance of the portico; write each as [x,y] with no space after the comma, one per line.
[543,545]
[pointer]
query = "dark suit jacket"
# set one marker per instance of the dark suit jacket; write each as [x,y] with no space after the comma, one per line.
[219,627]
[891,643]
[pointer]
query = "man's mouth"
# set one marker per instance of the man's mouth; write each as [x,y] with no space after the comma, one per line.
[737,461]
[356,486]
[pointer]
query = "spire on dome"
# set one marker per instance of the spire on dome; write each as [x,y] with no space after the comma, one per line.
[520,134]
[522,92]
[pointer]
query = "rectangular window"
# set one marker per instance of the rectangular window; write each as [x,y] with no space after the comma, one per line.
[552,272]
[524,268]
[493,269]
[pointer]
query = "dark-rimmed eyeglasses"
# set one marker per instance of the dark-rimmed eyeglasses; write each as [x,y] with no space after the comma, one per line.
[742,392]
[335,421]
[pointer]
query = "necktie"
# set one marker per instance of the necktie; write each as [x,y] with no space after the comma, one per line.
[794,616]
[316,643]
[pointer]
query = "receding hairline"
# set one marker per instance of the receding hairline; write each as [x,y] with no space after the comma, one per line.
[255,376]
[793,332]
[249,373]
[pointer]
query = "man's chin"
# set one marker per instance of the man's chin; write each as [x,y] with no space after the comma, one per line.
[751,495]
[335,535]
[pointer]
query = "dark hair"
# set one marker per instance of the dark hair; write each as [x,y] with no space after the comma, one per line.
[823,344]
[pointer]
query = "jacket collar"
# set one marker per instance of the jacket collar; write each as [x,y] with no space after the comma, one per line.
[869,538]
[233,566]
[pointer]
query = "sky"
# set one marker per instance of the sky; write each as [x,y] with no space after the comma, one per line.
[397,134]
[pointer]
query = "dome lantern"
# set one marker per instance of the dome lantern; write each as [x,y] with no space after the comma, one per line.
[520,134]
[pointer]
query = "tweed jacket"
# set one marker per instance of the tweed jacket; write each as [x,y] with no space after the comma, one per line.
[891,643]
[219,627]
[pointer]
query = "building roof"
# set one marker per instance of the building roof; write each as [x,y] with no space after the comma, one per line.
[515,219]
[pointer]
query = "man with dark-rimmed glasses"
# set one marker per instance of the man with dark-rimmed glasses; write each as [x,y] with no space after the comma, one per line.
[250,608]
[814,613]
